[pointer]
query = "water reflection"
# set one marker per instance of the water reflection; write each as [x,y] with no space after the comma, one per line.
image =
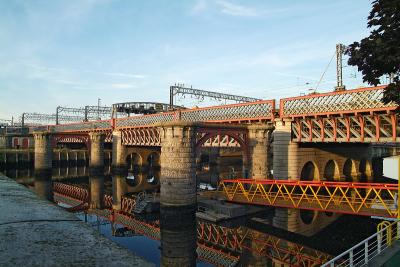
[178,236]
[43,184]
[170,237]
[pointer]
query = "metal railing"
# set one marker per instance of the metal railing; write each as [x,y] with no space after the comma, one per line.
[362,253]
[368,199]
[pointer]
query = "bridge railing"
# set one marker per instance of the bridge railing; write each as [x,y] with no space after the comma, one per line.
[343,102]
[362,253]
[369,199]
[254,111]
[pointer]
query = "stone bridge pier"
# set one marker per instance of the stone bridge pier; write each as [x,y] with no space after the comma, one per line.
[118,154]
[178,164]
[260,152]
[119,169]
[96,170]
[43,165]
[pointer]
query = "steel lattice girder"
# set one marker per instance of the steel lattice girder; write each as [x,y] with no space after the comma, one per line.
[343,102]
[207,137]
[360,128]
[284,251]
[368,199]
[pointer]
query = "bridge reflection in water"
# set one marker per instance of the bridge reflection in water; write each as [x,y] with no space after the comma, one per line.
[170,237]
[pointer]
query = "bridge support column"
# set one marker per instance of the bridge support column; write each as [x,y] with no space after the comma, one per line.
[118,153]
[96,164]
[285,161]
[178,164]
[285,167]
[43,165]
[43,151]
[259,146]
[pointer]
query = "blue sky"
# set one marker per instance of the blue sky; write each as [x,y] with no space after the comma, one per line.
[71,52]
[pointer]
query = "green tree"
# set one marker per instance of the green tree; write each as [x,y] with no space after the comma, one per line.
[379,53]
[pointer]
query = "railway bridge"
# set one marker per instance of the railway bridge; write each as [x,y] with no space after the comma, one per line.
[329,137]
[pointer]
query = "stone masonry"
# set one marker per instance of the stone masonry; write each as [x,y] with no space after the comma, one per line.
[96,163]
[178,164]
[43,151]
[259,146]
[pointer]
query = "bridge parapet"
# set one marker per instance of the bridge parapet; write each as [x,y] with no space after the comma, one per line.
[343,102]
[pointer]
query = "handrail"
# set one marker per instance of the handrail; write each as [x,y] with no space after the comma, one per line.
[362,253]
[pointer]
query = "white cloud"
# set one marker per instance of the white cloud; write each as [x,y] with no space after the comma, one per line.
[237,10]
[127,75]
[122,85]
[200,6]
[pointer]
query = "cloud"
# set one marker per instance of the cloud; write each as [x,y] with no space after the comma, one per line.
[200,6]
[237,10]
[122,85]
[127,75]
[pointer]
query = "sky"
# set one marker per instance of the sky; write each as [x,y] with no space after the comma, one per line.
[70,53]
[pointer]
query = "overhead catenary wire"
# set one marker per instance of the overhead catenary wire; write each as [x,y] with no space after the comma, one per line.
[326,69]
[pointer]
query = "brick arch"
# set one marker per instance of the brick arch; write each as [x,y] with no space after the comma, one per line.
[310,172]
[134,159]
[365,169]
[153,157]
[239,136]
[331,171]
[350,171]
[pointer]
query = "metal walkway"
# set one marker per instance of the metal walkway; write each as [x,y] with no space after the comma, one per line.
[368,199]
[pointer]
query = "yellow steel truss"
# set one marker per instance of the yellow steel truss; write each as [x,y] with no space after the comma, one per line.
[370,199]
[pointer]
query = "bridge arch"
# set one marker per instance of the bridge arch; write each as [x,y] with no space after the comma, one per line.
[71,139]
[153,160]
[134,161]
[349,171]
[309,172]
[225,139]
[331,171]
[365,170]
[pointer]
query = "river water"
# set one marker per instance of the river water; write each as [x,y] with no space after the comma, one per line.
[171,237]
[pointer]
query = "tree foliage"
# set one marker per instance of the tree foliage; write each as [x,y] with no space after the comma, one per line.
[379,53]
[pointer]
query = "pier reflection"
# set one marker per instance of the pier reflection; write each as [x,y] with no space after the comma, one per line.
[168,237]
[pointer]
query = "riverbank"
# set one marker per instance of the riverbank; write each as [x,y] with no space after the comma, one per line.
[35,232]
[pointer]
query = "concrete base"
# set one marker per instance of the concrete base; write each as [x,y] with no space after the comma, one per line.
[35,232]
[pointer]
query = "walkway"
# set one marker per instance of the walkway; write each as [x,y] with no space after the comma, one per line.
[34,232]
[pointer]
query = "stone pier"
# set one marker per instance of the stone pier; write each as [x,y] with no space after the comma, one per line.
[43,151]
[259,146]
[118,153]
[178,164]
[96,163]
[43,165]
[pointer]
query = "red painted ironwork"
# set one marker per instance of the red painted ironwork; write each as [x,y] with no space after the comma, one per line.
[362,100]
[357,128]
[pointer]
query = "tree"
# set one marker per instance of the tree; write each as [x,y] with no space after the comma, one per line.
[379,53]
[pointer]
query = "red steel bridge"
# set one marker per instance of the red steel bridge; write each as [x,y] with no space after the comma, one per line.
[344,116]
